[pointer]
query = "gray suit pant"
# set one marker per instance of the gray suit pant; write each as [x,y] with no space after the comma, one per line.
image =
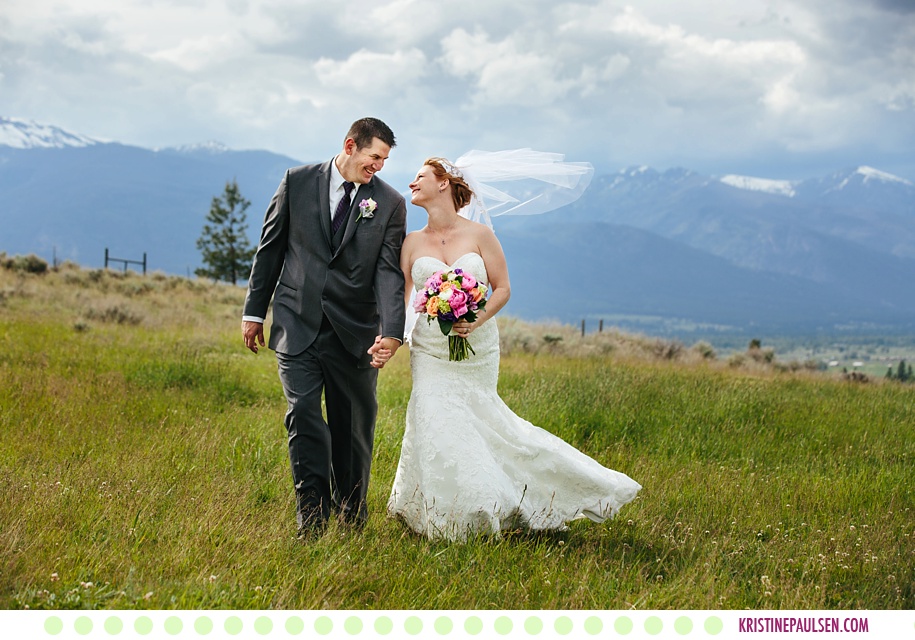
[330,459]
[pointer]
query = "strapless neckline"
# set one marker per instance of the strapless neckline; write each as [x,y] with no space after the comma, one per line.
[442,262]
[425,266]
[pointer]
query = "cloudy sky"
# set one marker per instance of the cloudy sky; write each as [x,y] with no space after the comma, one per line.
[772,88]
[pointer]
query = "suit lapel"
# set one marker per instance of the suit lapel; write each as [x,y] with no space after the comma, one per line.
[364,192]
[323,188]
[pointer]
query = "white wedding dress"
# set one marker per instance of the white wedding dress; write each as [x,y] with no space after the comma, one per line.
[468,464]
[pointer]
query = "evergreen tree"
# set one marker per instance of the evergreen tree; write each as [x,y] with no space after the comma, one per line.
[901,373]
[224,243]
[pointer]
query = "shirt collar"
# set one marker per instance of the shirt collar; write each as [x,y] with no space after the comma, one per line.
[336,178]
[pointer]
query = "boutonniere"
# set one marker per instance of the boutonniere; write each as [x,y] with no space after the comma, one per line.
[367,209]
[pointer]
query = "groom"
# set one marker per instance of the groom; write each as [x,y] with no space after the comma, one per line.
[329,256]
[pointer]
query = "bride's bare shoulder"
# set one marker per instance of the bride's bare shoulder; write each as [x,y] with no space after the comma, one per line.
[413,239]
[479,230]
[408,248]
[483,235]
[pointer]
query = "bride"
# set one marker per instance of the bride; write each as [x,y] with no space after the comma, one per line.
[468,464]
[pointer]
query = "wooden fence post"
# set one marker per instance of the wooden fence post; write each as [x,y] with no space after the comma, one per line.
[125,261]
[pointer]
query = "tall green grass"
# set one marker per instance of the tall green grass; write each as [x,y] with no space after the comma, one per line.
[143,465]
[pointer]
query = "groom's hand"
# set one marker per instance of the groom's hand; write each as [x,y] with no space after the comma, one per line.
[253,333]
[382,351]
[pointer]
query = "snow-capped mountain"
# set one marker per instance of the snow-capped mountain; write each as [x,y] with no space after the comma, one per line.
[27,134]
[781,187]
[852,231]
[862,186]
[841,181]
[869,174]
[210,146]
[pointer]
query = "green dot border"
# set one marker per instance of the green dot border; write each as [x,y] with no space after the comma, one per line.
[334,624]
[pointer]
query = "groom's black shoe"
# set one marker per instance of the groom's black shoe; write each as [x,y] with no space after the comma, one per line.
[353,516]
[309,533]
[312,523]
[350,523]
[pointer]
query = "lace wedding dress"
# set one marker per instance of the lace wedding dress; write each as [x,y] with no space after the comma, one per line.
[468,464]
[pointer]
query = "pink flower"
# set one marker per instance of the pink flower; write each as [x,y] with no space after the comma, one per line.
[459,310]
[458,299]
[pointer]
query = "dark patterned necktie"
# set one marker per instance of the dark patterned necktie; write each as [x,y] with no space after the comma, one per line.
[342,206]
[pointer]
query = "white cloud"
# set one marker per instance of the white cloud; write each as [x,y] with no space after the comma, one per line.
[504,72]
[900,96]
[652,82]
[387,71]
[684,65]
[196,54]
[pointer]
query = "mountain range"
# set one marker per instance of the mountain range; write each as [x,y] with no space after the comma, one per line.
[663,252]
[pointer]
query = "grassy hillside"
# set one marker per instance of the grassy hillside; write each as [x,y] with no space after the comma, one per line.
[143,465]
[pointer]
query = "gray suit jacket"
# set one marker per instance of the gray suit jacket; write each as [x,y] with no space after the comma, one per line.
[359,287]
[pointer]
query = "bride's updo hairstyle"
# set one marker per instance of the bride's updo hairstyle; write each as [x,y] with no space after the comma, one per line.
[461,193]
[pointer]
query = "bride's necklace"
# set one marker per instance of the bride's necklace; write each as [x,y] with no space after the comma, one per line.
[439,234]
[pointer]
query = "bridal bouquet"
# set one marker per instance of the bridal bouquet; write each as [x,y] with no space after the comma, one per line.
[449,296]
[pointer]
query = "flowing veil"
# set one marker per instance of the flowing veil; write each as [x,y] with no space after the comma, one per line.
[515,182]
[520,182]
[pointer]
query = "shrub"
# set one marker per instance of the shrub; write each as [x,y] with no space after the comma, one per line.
[705,350]
[28,264]
[855,376]
[116,313]
[667,349]
[759,354]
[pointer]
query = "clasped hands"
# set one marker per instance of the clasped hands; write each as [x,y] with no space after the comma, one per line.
[382,351]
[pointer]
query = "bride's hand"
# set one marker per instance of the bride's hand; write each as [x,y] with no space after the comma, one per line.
[380,355]
[462,329]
